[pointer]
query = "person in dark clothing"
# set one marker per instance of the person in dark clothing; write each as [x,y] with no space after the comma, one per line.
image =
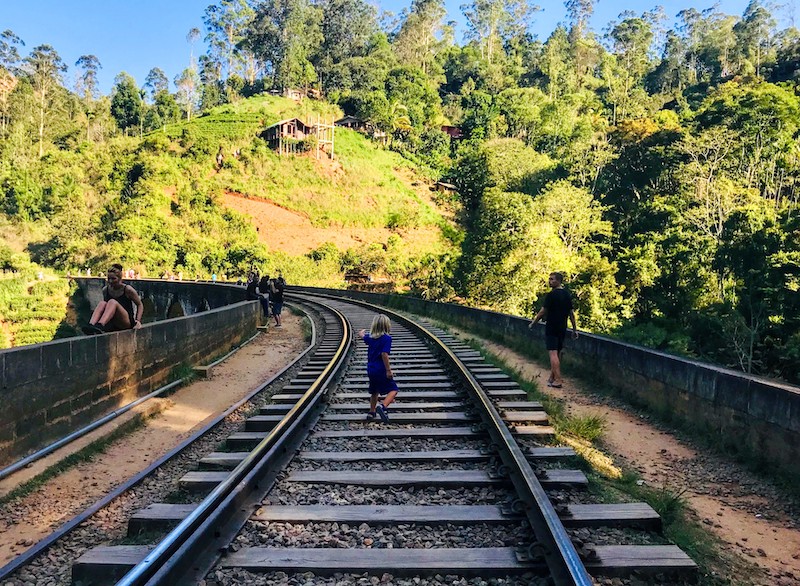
[556,310]
[116,311]
[276,287]
[252,285]
[264,293]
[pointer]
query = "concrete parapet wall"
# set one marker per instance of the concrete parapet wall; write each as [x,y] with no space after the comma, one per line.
[54,388]
[164,299]
[752,415]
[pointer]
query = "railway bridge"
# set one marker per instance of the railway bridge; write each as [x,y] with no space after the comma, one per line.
[54,388]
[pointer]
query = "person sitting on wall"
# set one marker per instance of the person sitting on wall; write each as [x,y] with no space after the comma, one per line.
[252,286]
[116,311]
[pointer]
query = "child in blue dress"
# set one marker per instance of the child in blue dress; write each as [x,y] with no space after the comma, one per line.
[379,371]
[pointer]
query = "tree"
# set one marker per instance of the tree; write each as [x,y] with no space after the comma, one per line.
[707,43]
[126,102]
[506,257]
[9,61]
[754,34]
[191,38]
[86,84]
[348,27]
[226,24]
[9,53]
[670,73]
[521,109]
[494,22]
[579,12]
[787,64]
[409,88]
[765,119]
[44,66]
[631,40]
[156,81]
[556,63]
[507,164]
[188,84]
[166,109]
[285,34]
[423,36]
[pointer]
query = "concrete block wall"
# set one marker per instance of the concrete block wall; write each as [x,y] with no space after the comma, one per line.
[752,415]
[54,388]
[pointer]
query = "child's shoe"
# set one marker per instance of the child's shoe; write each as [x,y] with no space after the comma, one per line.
[371,416]
[384,413]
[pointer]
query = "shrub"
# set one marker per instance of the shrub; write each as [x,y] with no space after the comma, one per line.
[156,143]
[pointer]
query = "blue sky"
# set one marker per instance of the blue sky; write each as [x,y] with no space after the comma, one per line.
[137,36]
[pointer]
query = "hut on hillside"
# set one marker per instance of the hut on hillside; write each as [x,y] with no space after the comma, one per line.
[352,123]
[362,126]
[297,94]
[284,135]
[294,94]
[454,132]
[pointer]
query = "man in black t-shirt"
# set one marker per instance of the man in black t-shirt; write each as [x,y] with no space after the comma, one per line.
[555,311]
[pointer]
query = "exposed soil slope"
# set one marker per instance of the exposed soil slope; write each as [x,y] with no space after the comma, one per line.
[294,234]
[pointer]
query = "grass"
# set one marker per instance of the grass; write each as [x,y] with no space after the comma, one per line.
[680,526]
[305,323]
[84,455]
[586,427]
[185,372]
[305,326]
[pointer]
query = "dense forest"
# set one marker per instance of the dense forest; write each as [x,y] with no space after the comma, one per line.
[657,166]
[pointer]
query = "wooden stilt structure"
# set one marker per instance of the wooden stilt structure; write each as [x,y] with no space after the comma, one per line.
[325,136]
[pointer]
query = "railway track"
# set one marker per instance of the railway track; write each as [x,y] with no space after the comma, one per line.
[462,482]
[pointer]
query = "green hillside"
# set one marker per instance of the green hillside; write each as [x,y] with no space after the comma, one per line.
[362,188]
[156,203]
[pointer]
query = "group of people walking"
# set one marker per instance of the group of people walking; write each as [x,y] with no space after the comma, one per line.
[121,309]
[269,292]
[556,310]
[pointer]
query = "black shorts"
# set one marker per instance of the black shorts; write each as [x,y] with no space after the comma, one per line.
[555,341]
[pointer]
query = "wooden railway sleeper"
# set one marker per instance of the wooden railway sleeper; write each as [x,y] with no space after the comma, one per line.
[535,552]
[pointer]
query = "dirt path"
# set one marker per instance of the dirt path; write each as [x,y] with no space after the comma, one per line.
[25,521]
[753,518]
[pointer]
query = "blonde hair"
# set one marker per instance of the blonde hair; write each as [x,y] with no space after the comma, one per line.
[380,325]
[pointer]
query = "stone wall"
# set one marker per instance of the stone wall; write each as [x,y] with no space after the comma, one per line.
[52,389]
[752,415]
[165,299]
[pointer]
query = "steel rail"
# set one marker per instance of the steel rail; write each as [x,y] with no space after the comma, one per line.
[171,558]
[560,554]
[30,554]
